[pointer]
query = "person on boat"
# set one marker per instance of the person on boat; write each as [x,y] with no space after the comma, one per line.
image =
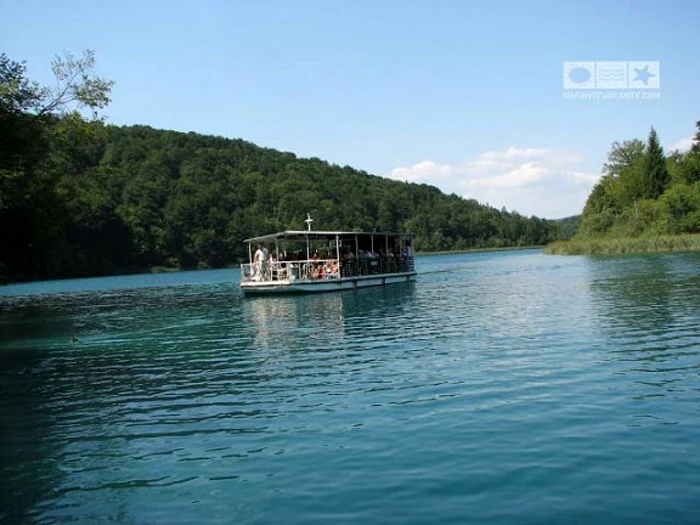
[331,270]
[273,266]
[315,272]
[259,263]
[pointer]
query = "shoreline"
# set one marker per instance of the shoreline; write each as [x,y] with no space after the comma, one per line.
[483,250]
[626,245]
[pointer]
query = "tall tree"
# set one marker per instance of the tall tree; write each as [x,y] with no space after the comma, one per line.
[655,175]
[30,209]
[625,168]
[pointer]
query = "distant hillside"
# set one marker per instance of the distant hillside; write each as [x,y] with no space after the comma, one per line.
[119,199]
[567,227]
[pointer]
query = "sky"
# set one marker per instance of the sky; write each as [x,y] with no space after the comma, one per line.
[500,101]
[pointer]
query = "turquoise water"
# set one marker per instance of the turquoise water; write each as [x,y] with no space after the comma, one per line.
[498,388]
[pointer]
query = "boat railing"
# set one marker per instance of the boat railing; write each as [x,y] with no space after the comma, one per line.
[317,269]
[309,269]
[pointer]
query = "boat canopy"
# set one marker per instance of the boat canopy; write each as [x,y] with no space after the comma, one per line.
[319,235]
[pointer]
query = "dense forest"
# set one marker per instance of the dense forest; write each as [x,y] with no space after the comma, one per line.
[79,197]
[644,192]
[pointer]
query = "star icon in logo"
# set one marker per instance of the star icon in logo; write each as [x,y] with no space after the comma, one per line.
[643,75]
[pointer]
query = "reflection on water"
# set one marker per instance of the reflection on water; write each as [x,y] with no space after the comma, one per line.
[648,305]
[285,322]
[649,311]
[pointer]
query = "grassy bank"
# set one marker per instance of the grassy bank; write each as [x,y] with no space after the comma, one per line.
[609,246]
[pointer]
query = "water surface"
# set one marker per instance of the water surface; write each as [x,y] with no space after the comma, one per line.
[498,388]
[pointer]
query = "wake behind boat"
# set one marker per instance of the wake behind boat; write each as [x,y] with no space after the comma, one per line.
[322,261]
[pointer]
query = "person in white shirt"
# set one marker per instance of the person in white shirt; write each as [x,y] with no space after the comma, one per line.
[259,263]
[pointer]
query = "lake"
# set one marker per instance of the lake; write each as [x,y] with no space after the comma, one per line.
[509,387]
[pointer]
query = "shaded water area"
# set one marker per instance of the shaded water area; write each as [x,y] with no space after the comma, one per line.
[498,388]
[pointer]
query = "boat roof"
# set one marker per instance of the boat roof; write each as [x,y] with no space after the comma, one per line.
[303,235]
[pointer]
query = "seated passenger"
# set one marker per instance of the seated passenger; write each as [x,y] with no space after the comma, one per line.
[333,270]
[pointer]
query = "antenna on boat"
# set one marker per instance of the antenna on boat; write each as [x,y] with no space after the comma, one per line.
[308,222]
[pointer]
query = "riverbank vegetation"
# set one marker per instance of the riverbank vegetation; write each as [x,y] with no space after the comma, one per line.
[645,201]
[609,245]
[79,197]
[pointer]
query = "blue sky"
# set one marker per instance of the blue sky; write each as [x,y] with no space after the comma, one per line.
[465,95]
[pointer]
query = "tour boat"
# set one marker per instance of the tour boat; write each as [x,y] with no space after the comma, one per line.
[309,261]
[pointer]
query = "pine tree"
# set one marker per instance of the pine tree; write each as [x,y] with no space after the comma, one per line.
[656,177]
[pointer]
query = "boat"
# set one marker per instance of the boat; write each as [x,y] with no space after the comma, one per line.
[309,261]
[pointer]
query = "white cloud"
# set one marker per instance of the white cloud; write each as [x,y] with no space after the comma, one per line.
[515,153]
[422,171]
[520,177]
[533,181]
[683,144]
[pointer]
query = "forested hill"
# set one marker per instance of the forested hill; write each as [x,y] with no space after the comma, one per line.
[106,199]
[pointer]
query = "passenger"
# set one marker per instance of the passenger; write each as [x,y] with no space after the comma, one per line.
[265,266]
[273,267]
[258,263]
[332,270]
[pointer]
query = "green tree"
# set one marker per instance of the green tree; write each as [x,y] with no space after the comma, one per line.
[32,213]
[625,168]
[655,175]
[644,192]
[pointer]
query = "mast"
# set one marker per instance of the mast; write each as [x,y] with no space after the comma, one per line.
[308,222]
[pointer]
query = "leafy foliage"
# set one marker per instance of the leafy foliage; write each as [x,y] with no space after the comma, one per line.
[43,143]
[643,192]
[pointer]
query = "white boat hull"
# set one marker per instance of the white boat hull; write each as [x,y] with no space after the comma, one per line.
[324,285]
